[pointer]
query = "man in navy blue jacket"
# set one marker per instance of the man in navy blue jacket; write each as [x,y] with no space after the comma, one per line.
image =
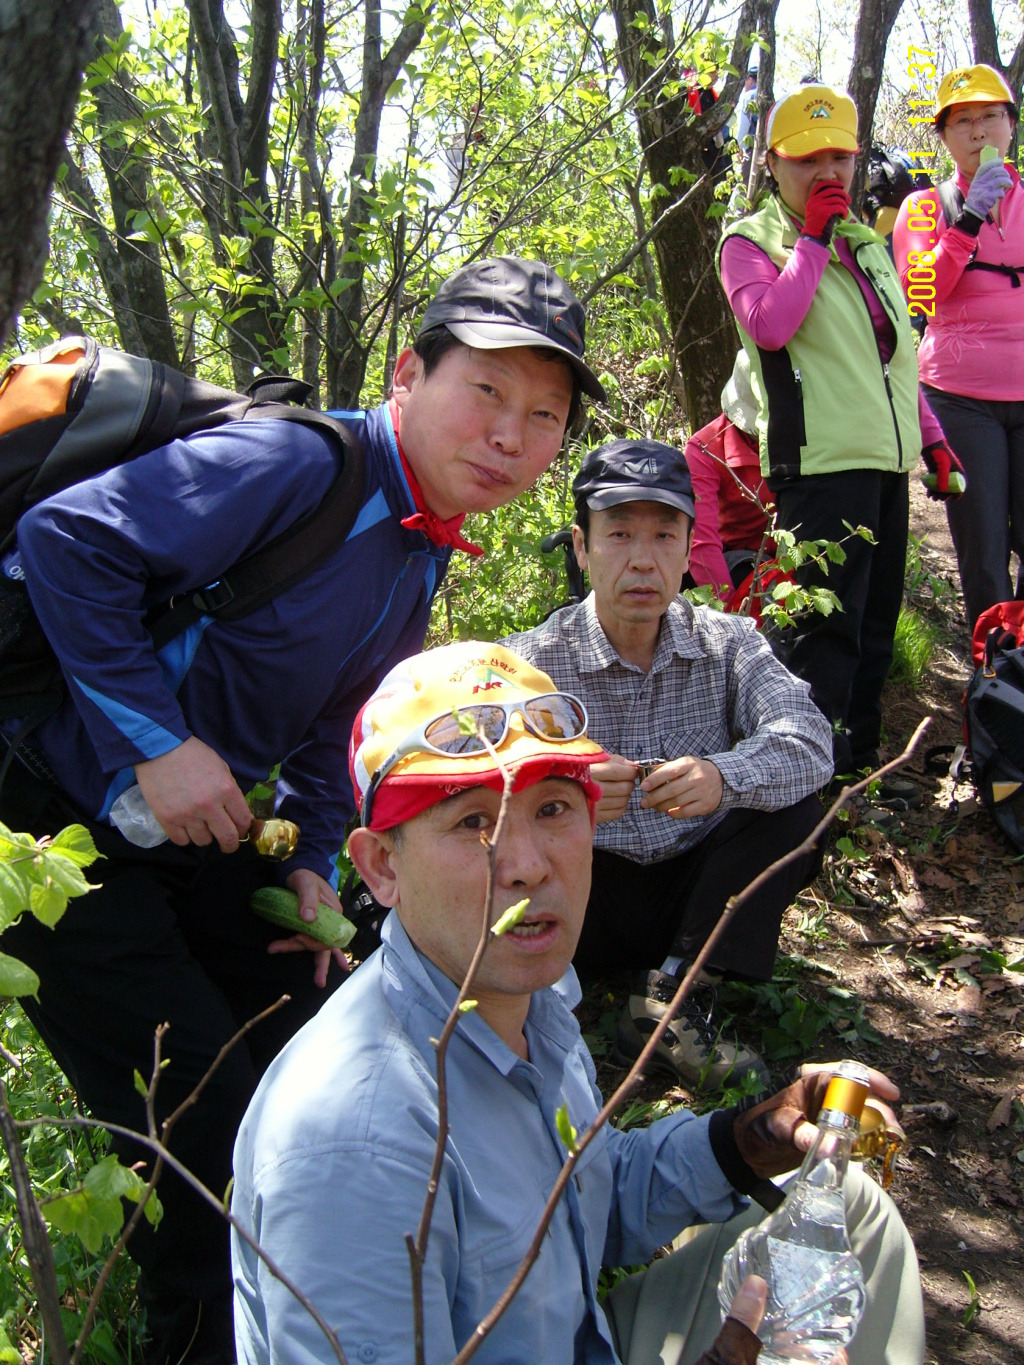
[478,411]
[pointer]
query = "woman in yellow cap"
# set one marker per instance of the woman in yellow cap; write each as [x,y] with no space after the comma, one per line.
[960,252]
[840,421]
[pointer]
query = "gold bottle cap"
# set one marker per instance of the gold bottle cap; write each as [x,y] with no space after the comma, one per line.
[275,839]
[847,1095]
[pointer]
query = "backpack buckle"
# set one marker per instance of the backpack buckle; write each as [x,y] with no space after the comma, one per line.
[214,597]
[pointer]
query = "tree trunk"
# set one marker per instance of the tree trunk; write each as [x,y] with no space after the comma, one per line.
[238,194]
[874,24]
[44,45]
[140,288]
[703,331]
[348,348]
[986,49]
[764,25]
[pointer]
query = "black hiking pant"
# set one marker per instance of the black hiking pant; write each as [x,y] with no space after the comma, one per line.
[166,937]
[640,913]
[845,657]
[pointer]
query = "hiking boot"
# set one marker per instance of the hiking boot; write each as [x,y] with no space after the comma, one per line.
[898,793]
[691,1048]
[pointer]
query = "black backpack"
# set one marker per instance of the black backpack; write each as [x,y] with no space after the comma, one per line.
[75,409]
[994,725]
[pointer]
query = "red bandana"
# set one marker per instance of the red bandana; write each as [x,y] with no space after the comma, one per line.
[423,519]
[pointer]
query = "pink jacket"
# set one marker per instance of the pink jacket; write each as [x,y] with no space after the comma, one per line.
[731,499]
[974,342]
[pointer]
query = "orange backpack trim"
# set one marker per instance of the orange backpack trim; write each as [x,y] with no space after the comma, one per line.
[36,390]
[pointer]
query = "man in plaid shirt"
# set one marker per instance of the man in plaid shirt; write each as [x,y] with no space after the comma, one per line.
[717,752]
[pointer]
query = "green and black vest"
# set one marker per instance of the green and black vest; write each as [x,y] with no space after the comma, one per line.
[826,401]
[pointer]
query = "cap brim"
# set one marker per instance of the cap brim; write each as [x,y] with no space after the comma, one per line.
[816,140]
[499,336]
[615,497]
[401,798]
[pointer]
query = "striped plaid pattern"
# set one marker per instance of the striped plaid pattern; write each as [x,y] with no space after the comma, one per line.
[715,691]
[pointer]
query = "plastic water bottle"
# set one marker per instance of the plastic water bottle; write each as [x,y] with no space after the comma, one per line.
[815,1283]
[131,814]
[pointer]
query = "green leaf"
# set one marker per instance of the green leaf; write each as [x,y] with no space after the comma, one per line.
[565,1129]
[9,1355]
[65,874]
[17,978]
[510,918]
[95,1210]
[47,902]
[141,1088]
[75,843]
[89,1218]
[468,1006]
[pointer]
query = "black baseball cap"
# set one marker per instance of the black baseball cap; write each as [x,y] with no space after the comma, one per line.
[634,471]
[506,301]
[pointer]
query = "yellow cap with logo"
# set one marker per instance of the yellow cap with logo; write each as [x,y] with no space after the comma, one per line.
[813,118]
[451,718]
[972,85]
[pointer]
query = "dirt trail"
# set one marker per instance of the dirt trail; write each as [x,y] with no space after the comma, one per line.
[949,886]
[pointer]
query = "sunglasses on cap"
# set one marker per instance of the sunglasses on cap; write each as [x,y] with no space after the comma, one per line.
[555,717]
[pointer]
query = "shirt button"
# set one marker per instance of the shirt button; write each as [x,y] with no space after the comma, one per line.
[369,1351]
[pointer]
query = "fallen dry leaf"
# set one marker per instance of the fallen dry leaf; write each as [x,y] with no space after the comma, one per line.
[903,872]
[1000,1115]
[968,1001]
[964,960]
[934,876]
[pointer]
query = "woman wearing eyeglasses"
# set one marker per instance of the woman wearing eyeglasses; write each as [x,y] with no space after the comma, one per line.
[960,252]
[840,419]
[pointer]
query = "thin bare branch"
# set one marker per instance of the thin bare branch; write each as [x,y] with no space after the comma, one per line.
[35,1239]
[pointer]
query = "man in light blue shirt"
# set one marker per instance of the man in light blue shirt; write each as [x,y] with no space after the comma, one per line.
[335,1153]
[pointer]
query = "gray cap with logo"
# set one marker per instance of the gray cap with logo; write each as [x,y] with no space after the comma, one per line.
[633,471]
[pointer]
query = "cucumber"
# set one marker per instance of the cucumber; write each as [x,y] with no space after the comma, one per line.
[957,482]
[281,907]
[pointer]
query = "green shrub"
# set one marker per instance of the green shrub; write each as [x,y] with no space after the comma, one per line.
[915,641]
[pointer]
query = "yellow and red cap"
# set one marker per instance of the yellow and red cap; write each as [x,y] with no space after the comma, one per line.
[430,687]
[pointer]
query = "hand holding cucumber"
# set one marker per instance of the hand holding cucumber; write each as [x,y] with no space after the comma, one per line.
[945,478]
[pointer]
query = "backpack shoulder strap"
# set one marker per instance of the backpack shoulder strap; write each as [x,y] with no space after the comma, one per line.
[951,199]
[292,554]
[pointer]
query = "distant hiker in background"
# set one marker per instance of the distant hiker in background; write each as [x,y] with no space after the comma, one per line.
[733,501]
[840,418]
[960,252]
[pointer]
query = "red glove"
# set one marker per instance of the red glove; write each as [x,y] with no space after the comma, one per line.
[945,478]
[827,204]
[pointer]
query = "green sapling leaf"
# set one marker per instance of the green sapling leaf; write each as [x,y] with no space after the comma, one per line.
[510,918]
[17,978]
[75,843]
[565,1129]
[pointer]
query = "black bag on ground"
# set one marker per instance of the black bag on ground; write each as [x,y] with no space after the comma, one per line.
[994,725]
[75,409]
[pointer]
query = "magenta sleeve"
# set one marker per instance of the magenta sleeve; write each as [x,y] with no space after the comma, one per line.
[951,248]
[771,304]
[931,428]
